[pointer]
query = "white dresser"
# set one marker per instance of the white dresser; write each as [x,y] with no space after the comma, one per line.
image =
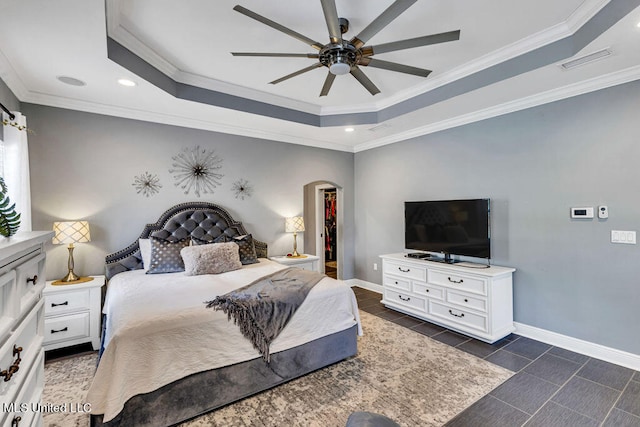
[472,299]
[73,313]
[22,270]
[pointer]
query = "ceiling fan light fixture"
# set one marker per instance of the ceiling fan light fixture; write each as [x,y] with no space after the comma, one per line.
[339,68]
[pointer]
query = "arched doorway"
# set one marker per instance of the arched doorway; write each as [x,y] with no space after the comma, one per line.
[323,201]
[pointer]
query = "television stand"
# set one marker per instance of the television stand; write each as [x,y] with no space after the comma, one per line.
[475,302]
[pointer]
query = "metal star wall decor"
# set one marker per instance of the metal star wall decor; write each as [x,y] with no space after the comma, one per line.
[242,189]
[197,169]
[147,184]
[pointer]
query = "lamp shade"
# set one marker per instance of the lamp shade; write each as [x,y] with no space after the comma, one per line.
[294,224]
[71,232]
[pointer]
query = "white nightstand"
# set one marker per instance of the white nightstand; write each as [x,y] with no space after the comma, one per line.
[311,262]
[72,313]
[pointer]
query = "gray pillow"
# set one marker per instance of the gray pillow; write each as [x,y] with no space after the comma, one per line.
[165,256]
[214,258]
[247,249]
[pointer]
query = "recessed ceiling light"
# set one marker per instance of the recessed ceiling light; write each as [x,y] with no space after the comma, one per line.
[349,129]
[126,82]
[71,81]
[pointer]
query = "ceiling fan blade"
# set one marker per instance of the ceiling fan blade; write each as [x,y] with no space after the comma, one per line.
[333,24]
[409,43]
[364,80]
[381,21]
[297,73]
[278,27]
[327,84]
[278,55]
[392,66]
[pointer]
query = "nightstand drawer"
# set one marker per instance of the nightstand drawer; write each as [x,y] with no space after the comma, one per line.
[66,302]
[7,309]
[64,328]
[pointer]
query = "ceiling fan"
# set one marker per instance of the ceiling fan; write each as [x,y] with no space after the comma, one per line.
[341,56]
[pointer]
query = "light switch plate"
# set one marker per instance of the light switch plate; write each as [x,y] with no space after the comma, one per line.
[622,236]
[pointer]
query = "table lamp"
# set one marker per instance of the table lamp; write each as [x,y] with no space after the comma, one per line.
[294,225]
[71,232]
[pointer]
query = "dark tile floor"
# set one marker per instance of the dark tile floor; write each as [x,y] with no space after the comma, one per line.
[552,387]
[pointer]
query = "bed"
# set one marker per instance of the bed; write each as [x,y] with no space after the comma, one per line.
[165,358]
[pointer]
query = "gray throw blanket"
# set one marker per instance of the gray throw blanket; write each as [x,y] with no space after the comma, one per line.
[262,308]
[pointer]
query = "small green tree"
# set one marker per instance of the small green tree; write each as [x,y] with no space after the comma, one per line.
[9,218]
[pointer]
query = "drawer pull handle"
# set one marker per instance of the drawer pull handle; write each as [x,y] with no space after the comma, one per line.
[16,422]
[404,271]
[65,329]
[53,304]
[455,281]
[33,279]
[466,300]
[404,299]
[457,315]
[8,373]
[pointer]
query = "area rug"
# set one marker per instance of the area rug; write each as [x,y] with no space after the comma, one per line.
[399,373]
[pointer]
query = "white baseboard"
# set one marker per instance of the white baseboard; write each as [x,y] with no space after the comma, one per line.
[608,354]
[365,285]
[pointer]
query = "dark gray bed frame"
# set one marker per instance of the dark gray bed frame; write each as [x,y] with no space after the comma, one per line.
[203,392]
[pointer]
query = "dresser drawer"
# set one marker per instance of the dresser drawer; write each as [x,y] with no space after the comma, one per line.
[458,281]
[428,290]
[66,302]
[467,301]
[62,328]
[404,299]
[30,281]
[462,317]
[20,350]
[395,282]
[27,402]
[406,271]
[8,307]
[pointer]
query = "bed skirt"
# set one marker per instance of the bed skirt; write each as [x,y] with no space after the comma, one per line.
[186,398]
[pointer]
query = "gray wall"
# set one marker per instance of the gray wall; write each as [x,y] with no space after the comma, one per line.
[83,166]
[534,165]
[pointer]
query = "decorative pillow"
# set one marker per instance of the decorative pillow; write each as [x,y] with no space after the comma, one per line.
[220,239]
[145,253]
[247,249]
[210,259]
[165,256]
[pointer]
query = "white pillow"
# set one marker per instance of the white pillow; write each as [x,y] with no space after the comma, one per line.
[145,252]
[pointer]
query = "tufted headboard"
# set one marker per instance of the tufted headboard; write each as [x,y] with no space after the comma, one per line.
[202,220]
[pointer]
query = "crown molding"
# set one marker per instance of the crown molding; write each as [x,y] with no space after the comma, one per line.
[568,91]
[153,117]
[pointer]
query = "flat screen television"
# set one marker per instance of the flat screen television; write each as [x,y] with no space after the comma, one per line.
[449,227]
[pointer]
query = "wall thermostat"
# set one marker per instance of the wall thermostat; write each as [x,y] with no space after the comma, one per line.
[603,212]
[582,212]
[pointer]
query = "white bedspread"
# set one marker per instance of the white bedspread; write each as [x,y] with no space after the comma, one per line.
[158,329]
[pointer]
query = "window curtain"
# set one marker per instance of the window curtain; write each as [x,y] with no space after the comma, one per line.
[15,166]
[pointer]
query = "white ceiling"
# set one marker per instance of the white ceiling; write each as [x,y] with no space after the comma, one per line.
[191,41]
